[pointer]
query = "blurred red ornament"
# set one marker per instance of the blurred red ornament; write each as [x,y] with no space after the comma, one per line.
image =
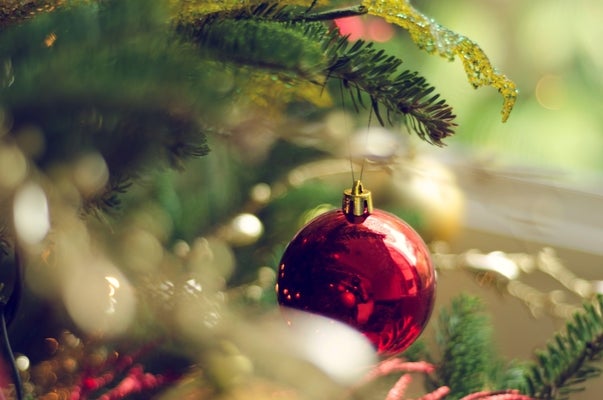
[353,27]
[365,28]
[364,267]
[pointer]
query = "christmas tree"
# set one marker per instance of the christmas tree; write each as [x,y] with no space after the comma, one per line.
[156,158]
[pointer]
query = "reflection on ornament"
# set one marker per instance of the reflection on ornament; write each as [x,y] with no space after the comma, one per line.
[193,287]
[166,290]
[364,267]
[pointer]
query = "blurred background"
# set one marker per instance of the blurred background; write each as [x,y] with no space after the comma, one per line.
[550,49]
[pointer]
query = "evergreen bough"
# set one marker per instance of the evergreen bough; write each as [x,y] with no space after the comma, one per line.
[571,358]
[468,362]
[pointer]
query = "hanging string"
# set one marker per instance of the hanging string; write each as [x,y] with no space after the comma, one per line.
[349,145]
[366,136]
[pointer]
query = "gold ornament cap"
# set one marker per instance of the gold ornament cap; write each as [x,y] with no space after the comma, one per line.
[357,201]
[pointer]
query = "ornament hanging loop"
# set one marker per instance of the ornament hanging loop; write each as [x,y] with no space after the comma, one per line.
[357,202]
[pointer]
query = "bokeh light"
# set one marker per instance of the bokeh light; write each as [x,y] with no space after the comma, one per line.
[245,229]
[13,167]
[90,174]
[31,215]
[99,298]
[141,250]
[550,92]
[22,362]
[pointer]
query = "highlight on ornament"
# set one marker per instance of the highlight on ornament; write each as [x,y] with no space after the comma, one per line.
[364,267]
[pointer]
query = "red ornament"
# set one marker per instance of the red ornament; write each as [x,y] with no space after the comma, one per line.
[364,267]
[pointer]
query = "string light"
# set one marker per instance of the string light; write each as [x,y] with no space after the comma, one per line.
[509,271]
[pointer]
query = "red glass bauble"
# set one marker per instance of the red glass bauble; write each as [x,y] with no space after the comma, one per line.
[373,273]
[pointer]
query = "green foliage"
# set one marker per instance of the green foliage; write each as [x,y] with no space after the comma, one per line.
[258,43]
[417,351]
[124,79]
[108,77]
[464,337]
[363,68]
[286,40]
[570,358]
[468,362]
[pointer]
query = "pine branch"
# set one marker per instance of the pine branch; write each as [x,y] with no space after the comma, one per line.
[257,43]
[283,40]
[464,337]
[109,199]
[570,358]
[365,69]
[111,78]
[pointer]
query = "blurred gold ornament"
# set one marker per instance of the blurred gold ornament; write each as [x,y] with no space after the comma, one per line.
[427,186]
